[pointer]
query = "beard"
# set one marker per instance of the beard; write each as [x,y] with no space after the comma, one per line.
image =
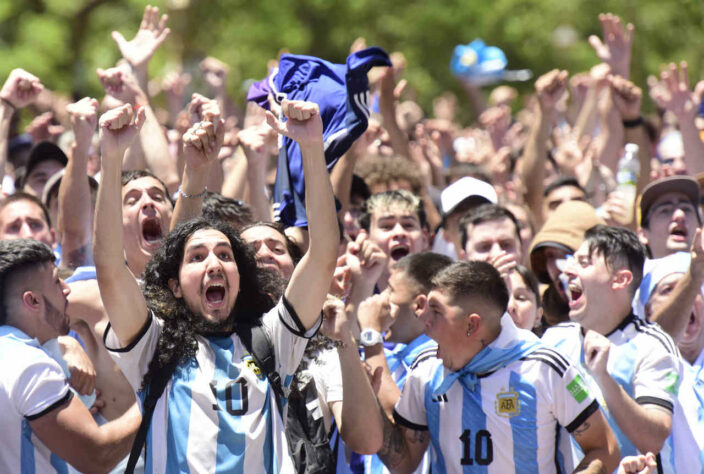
[56,317]
[204,327]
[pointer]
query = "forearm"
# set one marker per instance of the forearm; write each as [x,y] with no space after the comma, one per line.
[258,199]
[674,316]
[117,437]
[394,452]
[341,179]
[155,147]
[389,392]
[644,427]
[108,245]
[361,427]
[235,181]
[608,153]
[586,120]
[320,210]
[591,463]
[75,210]
[399,141]
[693,147]
[6,113]
[532,164]
[193,184]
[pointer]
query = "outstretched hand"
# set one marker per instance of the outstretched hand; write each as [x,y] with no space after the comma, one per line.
[615,49]
[21,88]
[673,92]
[303,123]
[118,128]
[151,34]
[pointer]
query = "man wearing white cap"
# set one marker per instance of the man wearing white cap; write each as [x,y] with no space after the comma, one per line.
[456,200]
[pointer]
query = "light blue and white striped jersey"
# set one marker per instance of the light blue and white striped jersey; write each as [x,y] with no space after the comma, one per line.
[32,384]
[400,359]
[218,413]
[643,359]
[508,423]
[688,438]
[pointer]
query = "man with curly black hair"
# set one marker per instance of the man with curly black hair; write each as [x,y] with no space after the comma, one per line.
[218,412]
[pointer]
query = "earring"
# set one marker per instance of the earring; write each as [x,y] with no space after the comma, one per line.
[469,333]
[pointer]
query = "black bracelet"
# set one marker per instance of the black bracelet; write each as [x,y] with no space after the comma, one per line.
[633,123]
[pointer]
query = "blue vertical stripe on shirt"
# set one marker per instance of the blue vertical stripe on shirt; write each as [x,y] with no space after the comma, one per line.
[524,425]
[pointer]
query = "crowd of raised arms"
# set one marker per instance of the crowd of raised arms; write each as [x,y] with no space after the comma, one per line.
[328,280]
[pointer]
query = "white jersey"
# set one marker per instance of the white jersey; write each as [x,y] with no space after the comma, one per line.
[327,375]
[32,384]
[689,437]
[643,359]
[218,412]
[508,423]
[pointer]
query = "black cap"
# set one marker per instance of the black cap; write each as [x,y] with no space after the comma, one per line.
[44,151]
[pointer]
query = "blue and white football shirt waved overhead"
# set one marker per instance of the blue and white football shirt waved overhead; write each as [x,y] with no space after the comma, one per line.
[643,359]
[218,413]
[341,92]
[31,385]
[501,420]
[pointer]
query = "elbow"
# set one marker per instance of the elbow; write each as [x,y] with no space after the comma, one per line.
[366,443]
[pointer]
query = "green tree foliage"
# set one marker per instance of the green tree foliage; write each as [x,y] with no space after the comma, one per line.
[64,41]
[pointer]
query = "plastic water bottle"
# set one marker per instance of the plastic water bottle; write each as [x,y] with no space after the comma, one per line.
[51,347]
[627,178]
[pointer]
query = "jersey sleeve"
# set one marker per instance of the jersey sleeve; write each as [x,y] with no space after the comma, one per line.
[572,401]
[409,411]
[289,337]
[133,359]
[40,387]
[657,378]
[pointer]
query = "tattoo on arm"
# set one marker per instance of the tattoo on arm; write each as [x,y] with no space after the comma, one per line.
[581,429]
[78,257]
[393,450]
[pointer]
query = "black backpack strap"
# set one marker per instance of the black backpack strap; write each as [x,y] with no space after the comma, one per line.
[154,390]
[257,342]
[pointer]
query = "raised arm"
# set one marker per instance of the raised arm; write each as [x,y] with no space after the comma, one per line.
[121,83]
[74,191]
[121,295]
[140,49]
[201,145]
[549,87]
[20,89]
[310,280]
[676,96]
[254,144]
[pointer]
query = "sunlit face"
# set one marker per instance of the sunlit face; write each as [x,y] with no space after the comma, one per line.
[589,281]
[25,220]
[146,216]
[397,231]
[270,249]
[40,174]
[672,221]
[559,195]
[522,303]
[209,280]
[402,294]
[53,321]
[446,322]
[487,240]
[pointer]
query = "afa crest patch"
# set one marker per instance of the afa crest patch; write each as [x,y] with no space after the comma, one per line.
[507,404]
[252,365]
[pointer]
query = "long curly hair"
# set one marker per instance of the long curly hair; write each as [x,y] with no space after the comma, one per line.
[177,342]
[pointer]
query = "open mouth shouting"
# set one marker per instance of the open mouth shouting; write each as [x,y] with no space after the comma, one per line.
[678,232]
[574,294]
[215,292]
[152,234]
[398,251]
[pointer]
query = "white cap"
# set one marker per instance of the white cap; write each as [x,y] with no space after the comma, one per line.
[465,188]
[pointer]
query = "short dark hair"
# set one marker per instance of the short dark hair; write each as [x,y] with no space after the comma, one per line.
[486,213]
[359,187]
[132,175]
[293,250]
[219,207]
[562,181]
[422,267]
[18,255]
[531,282]
[473,279]
[386,199]
[620,248]
[22,196]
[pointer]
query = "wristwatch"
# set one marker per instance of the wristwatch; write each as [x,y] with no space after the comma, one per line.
[370,337]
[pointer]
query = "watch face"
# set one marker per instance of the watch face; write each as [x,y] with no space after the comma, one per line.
[370,337]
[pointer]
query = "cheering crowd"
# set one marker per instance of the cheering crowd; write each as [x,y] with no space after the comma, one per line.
[327,280]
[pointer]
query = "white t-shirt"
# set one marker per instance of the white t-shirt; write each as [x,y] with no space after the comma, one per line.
[218,412]
[327,375]
[31,385]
